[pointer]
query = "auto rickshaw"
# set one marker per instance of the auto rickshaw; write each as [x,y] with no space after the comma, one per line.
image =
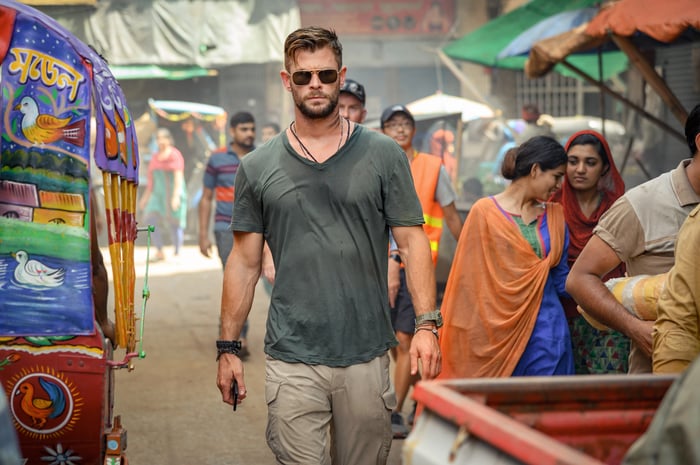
[56,363]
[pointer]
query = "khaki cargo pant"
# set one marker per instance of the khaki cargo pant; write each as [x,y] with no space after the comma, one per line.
[324,415]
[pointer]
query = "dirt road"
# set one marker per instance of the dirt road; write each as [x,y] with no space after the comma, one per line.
[169,403]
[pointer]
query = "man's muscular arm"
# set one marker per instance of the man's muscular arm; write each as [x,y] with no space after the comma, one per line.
[585,285]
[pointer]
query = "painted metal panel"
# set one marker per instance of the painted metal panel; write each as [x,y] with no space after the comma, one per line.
[533,420]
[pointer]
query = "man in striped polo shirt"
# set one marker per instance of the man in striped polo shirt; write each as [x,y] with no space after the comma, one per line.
[219,179]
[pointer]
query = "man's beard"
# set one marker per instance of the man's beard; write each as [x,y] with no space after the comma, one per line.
[317,112]
[245,144]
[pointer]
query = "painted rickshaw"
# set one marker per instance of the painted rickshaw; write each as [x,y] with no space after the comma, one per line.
[57,343]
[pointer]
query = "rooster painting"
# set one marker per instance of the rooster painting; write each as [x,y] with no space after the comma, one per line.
[42,407]
[42,128]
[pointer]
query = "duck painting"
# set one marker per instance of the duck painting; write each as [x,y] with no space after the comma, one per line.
[35,273]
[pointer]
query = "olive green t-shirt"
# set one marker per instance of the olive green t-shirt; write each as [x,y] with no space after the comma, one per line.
[327,226]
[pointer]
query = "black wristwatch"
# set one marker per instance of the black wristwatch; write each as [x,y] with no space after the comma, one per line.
[227,347]
[435,316]
[396,257]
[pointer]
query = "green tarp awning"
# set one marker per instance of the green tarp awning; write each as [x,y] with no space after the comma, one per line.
[159,72]
[483,45]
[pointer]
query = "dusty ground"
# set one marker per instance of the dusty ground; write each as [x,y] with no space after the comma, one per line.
[169,403]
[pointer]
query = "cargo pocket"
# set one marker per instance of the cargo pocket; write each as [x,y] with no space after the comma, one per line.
[272,389]
[389,397]
[390,402]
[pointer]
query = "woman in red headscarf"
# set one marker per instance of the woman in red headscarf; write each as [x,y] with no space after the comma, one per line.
[591,186]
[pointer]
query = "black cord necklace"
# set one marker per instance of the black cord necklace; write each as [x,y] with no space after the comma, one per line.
[306,151]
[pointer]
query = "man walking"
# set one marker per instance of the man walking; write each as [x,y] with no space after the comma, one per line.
[640,229]
[323,195]
[437,198]
[351,101]
[219,179]
[269,130]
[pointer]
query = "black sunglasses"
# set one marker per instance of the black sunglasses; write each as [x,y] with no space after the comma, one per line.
[326,76]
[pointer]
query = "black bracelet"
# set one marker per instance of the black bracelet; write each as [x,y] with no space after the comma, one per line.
[396,257]
[227,347]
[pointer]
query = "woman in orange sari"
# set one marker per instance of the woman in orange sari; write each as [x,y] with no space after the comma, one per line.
[502,312]
[591,185]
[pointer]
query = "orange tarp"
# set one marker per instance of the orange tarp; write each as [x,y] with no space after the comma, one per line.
[663,20]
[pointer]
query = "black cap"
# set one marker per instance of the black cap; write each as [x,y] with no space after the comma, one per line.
[392,110]
[355,89]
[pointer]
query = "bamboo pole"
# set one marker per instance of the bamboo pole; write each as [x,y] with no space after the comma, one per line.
[652,77]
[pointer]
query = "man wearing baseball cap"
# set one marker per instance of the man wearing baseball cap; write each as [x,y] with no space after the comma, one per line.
[351,101]
[437,198]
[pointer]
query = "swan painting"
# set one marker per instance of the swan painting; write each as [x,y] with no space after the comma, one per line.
[35,273]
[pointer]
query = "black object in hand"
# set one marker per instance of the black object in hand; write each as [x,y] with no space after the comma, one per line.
[234,394]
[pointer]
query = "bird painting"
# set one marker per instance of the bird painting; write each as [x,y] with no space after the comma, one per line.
[42,128]
[35,273]
[42,407]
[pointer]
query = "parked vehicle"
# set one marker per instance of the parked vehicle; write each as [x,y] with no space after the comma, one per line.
[56,365]
[558,420]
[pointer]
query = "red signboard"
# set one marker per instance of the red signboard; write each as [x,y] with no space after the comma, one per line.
[380,17]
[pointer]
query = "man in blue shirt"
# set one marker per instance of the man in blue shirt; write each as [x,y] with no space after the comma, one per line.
[219,179]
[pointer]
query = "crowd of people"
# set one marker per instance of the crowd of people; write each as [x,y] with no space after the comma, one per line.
[344,225]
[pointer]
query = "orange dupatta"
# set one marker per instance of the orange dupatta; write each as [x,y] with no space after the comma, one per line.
[494,292]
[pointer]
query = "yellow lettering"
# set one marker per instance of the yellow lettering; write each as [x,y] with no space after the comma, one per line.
[37,66]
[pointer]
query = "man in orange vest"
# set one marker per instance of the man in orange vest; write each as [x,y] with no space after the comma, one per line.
[437,197]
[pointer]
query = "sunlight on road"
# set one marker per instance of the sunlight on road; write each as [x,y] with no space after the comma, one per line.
[188,261]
